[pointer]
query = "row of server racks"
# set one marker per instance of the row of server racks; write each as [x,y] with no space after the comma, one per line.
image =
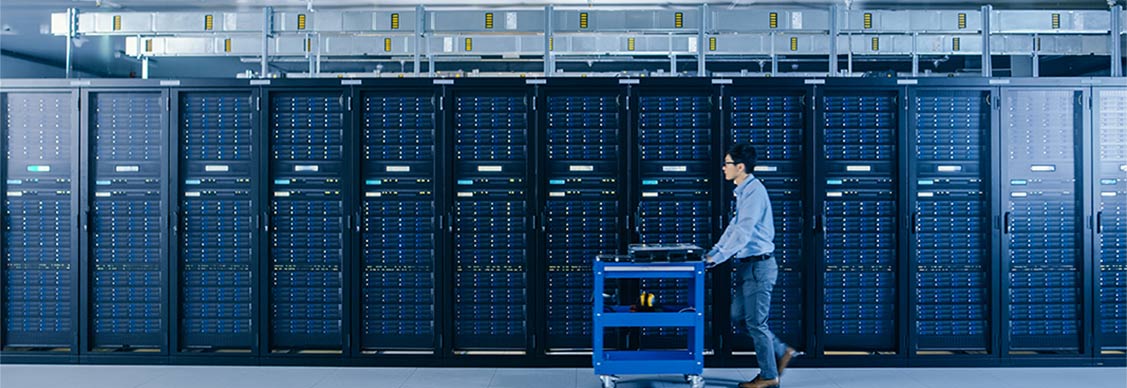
[454,222]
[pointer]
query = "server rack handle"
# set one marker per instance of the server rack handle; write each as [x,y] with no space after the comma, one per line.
[359,221]
[265,221]
[1099,224]
[175,221]
[1006,223]
[915,222]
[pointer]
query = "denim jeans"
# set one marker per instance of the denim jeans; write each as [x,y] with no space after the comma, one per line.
[751,306]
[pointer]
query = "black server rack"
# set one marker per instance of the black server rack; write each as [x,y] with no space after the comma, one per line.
[39,178]
[583,208]
[677,166]
[213,224]
[857,201]
[308,222]
[127,221]
[1042,221]
[775,124]
[399,217]
[1110,190]
[950,224]
[492,218]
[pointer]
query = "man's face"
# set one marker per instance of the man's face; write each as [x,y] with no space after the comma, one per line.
[731,169]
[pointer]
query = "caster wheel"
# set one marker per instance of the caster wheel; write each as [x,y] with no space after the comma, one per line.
[695,381]
[609,381]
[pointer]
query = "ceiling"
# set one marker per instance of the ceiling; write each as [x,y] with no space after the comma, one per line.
[24,25]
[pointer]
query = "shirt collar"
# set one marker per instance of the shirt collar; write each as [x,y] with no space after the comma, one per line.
[743,186]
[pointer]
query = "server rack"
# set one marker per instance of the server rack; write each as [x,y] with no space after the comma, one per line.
[38,222]
[491,217]
[308,222]
[857,191]
[950,175]
[215,216]
[400,251]
[777,122]
[583,179]
[675,125]
[1109,190]
[1042,221]
[125,222]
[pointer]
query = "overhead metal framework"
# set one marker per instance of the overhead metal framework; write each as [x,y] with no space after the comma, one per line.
[555,34]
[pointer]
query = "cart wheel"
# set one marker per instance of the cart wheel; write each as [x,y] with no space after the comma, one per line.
[609,381]
[695,381]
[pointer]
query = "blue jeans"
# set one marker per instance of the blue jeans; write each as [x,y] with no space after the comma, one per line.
[751,306]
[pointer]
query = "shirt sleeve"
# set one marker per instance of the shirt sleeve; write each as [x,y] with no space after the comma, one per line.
[739,231]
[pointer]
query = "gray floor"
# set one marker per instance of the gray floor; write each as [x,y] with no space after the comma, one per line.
[92,376]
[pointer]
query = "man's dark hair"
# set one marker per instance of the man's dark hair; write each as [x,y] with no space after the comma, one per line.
[743,153]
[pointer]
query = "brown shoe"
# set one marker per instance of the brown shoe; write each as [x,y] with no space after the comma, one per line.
[760,383]
[782,362]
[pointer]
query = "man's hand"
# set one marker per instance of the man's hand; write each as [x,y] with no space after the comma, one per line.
[708,263]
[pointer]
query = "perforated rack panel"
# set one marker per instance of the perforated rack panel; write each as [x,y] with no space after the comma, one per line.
[491,220]
[36,240]
[127,264]
[1042,220]
[858,144]
[774,124]
[1110,133]
[582,207]
[676,155]
[216,199]
[951,220]
[308,221]
[399,220]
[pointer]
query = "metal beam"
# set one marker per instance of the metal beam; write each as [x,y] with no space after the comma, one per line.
[702,45]
[1116,42]
[987,66]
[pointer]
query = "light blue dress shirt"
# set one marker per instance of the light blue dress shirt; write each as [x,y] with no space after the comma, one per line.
[752,229]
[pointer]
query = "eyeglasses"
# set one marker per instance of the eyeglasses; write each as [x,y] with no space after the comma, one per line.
[727,163]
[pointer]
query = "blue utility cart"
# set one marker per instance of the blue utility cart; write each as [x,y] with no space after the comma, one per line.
[689,362]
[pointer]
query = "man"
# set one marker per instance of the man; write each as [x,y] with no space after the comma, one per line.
[748,238]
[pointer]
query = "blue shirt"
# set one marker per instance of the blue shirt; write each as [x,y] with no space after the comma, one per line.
[752,230]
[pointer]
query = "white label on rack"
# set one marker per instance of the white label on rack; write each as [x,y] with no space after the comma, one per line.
[907,82]
[1123,167]
[674,168]
[398,169]
[556,194]
[692,44]
[1043,168]
[859,168]
[15,194]
[1107,194]
[999,82]
[1019,194]
[510,20]
[307,168]
[39,168]
[796,20]
[192,194]
[465,194]
[581,168]
[170,82]
[447,44]
[127,168]
[648,194]
[925,194]
[833,193]
[949,168]
[346,82]
[489,168]
[102,194]
[217,168]
[259,82]
[765,168]
[373,194]
[281,193]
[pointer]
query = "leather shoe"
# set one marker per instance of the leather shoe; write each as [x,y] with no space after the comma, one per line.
[759,382]
[782,362]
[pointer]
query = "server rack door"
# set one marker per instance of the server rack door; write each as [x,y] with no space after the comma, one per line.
[774,122]
[38,232]
[584,207]
[949,175]
[678,165]
[857,199]
[491,218]
[399,220]
[1042,221]
[308,222]
[1110,199]
[213,221]
[127,267]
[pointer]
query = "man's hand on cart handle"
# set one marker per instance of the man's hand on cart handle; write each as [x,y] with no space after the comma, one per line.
[708,263]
